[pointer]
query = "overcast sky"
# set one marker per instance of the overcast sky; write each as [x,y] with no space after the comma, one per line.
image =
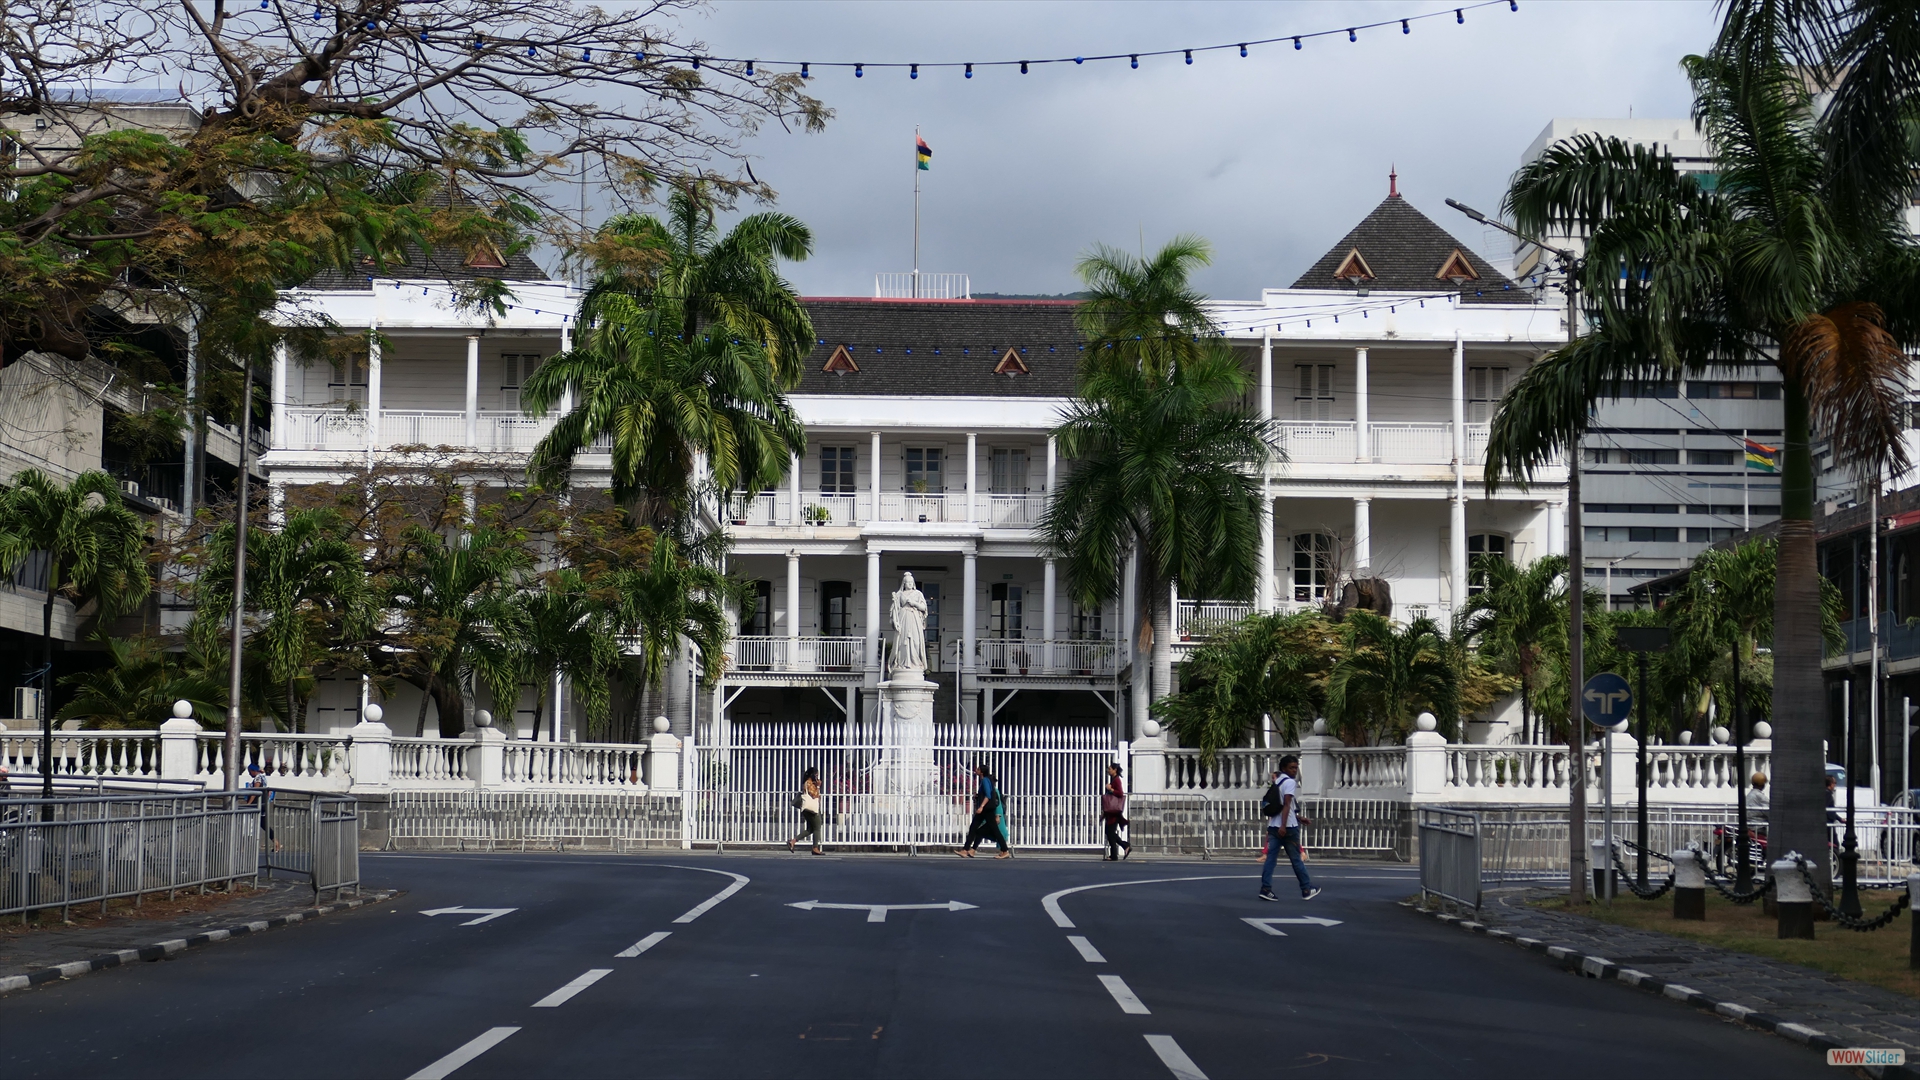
[1272,158]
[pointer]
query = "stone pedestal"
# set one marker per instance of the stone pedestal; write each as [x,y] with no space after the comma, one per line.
[370,757]
[179,741]
[663,757]
[487,758]
[906,764]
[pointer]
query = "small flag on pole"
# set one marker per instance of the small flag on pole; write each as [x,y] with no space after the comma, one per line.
[1762,458]
[923,153]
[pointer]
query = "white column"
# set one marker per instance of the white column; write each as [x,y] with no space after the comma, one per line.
[559,705]
[1362,441]
[566,395]
[473,390]
[1457,527]
[873,609]
[1053,463]
[1458,523]
[971,475]
[373,388]
[276,502]
[793,489]
[1362,535]
[1459,406]
[873,468]
[968,612]
[1047,616]
[1263,594]
[793,606]
[1266,375]
[279,432]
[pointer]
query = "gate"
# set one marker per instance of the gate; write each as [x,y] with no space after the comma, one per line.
[881,795]
[317,836]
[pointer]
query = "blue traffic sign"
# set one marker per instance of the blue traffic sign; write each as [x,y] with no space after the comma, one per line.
[1606,700]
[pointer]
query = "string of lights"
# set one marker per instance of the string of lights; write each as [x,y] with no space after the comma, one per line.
[582,52]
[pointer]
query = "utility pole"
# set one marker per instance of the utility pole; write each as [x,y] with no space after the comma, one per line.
[1641,640]
[1576,586]
[230,763]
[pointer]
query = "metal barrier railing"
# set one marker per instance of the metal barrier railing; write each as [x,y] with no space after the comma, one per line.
[58,853]
[314,835]
[1450,855]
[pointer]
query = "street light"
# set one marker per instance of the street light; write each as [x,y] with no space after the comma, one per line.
[1610,566]
[1576,565]
[1641,640]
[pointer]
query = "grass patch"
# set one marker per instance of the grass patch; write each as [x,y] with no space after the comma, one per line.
[1879,957]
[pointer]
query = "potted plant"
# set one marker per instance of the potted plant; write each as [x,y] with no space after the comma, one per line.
[1021,658]
[816,514]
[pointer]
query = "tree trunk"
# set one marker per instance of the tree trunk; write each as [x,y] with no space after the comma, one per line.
[452,705]
[46,681]
[296,723]
[1162,607]
[426,695]
[1798,815]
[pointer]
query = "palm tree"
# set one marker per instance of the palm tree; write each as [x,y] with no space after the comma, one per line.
[1774,263]
[1517,613]
[1385,677]
[138,688]
[445,592]
[1267,664]
[560,630]
[94,546]
[307,584]
[674,598]
[1167,458]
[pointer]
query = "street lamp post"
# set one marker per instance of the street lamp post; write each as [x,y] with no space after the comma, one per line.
[1576,570]
[1641,640]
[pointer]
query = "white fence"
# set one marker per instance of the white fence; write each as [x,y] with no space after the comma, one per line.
[797,655]
[1039,656]
[915,285]
[1339,442]
[841,509]
[492,431]
[1195,619]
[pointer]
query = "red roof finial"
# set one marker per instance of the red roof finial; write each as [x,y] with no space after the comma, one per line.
[1393,182]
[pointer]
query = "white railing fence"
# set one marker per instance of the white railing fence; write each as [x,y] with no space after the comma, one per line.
[1040,656]
[68,851]
[1194,620]
[802,655]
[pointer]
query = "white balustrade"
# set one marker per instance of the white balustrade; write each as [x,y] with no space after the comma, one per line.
[763,509]
[90,755]
[797,655]
[931,507]
[1317,440]
[1369,768]
[1015,511]
[835,508]
[1193,620]
[1411,444]
[1037,656]
[430,762]
[575,765]
[1241,771]
[495,431]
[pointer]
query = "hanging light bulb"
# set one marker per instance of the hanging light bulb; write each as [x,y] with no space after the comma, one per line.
[1513,5]
[586,56]
[806,74]
[1023,67]
[913,71]
[1079,59]
[1296,44]
[1243,51]
[859,71]
[1404,28]
[749,69]
[479,44]
[263,5]
[1189,56]
[423,33]
[969,71]
[1458,16]
[531,50]
[318,14]
[696,63]
[1351,36]
[1135,60]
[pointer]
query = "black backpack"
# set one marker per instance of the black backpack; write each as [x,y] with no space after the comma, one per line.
[1271,802]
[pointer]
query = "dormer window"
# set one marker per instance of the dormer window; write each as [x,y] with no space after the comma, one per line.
[1458,269]
[1011,364]
[1354,270]
[485,256]
[840,363]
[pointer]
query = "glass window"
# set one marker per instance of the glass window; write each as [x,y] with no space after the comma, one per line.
[514,369]
[924,476]
[1003,610]
[836,470]
[1492,545]
[348,381]
[760,622]
[1009,470]
[1714,457]
[1312,566]
[836,609]
[1086,622]
[1485,387]
[1314,399]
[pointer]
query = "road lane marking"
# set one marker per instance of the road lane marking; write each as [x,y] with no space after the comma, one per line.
[1174,1058]
[1266,925]
[642,945]
[487,914]
[739,882]
[878,912]
[1087,952]
[1051,901]
[1261,925]
[564,994]
[1128,1000]
[444,1068]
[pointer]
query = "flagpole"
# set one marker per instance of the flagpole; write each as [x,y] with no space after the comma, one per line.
[916,212]
[1746,501]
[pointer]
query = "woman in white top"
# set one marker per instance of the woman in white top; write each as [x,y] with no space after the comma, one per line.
[809,809]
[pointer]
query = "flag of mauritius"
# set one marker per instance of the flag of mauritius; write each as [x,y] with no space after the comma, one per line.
[922,152]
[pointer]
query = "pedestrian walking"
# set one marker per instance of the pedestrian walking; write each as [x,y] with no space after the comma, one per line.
[1281,805]
[986,817]
[1113,811]
[807,801]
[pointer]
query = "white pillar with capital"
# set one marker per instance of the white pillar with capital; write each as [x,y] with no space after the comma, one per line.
[972,475]
[793,608]
[473,390]
[279,432]
[873,479]
[793,489]
[1363,442]
[1457,523]
[373,388]
[873,609]
[1266,375]
[1053,463]
[566,345]
[1362,536]
[968,611]
[1263,594]
[1047,616]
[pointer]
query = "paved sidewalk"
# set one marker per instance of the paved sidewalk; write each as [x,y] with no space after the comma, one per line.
[33,953]
[1852,1013]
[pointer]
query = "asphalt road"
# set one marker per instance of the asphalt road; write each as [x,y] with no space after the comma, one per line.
[1153,978]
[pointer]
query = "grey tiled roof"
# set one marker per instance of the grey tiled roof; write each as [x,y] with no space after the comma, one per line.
[942,347]
[1405,250]
[440,264]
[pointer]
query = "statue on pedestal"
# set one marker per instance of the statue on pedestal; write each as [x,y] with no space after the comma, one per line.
[910,630]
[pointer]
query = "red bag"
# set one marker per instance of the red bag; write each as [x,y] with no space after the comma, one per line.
[1112,804]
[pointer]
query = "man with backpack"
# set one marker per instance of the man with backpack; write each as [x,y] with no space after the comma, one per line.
[1281,807]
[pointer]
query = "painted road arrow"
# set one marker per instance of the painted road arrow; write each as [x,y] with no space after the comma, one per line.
[1266,926]
[487,914]
[878,912]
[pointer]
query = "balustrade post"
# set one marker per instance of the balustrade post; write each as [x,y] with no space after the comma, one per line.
[487,758]
[1149,754]
[370,755]
[1316,763]
[179,738]
[663,758]
[1426,761]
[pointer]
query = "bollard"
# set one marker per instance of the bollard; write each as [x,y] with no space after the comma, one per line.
[1601,860]
[1913,916]
[1689,886]
[1793,897]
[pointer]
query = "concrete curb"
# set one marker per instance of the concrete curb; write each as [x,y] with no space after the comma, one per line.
[160,950]
[1598,967]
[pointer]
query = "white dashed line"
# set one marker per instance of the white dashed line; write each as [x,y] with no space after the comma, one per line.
[1174,1058]
[1127,1000]
[443,1068]
[1087,952]
[564,994]
[642,945]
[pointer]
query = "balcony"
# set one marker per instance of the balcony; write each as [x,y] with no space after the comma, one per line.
[310,428]
[1196,620]
[797,656]
[1338,441]
[839,510]
[1029,658]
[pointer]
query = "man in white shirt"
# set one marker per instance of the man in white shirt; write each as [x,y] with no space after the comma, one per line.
[1283,829]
